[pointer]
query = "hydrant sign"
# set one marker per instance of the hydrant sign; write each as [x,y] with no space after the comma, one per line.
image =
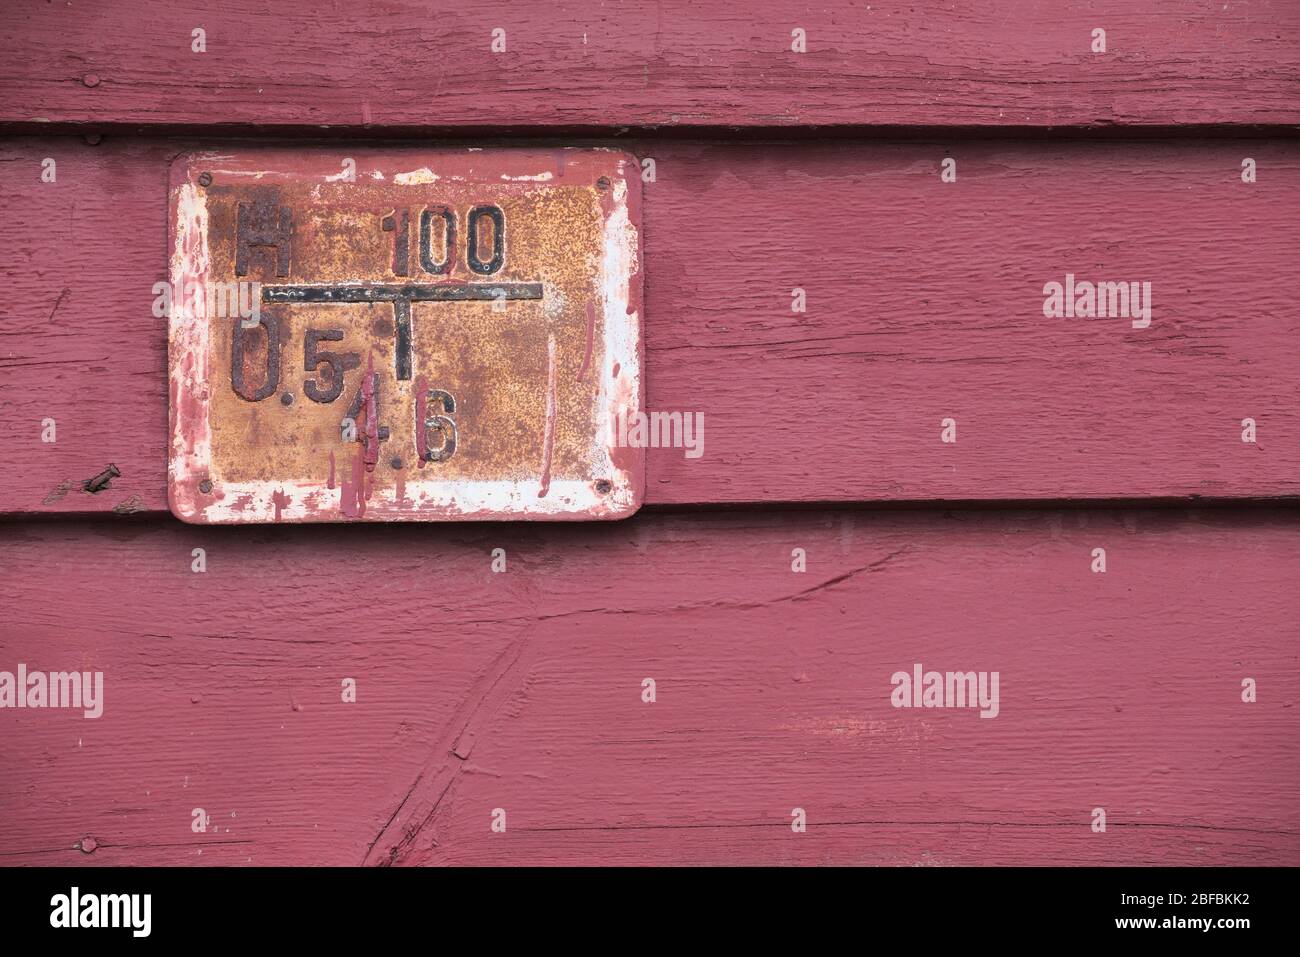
[403,335]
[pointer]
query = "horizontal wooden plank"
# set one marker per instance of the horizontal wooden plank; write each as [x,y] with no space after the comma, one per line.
[924,302]
[675,63]
[523,690]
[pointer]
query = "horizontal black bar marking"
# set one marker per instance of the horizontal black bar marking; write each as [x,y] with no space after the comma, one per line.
[411,292]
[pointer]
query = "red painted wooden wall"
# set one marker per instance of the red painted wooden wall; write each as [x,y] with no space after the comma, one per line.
[1121,690]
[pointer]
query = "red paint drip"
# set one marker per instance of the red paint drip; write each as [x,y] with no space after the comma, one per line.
[329,483]
[279,500]
[591,335]
[548,437]
[370,407]
[421,404]
[352,496]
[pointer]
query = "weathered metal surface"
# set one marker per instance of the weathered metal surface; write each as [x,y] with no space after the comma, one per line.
[404,335]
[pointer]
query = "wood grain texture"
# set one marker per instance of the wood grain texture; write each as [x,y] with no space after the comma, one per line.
[522,691]
[924,301]
[412,63]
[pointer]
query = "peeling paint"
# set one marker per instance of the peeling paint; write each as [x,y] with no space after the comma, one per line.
[416,177]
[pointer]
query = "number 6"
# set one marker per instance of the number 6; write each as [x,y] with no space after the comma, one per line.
[443,423]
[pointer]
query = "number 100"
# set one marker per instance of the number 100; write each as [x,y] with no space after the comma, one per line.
[440,221]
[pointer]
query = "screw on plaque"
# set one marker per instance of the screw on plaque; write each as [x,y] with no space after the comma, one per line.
[205,486]
[205,179]
[603,486]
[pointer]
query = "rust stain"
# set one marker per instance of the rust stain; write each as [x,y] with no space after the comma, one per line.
[129,505]
[58,492]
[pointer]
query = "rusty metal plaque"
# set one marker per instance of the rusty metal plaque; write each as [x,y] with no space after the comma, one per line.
[403,335]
